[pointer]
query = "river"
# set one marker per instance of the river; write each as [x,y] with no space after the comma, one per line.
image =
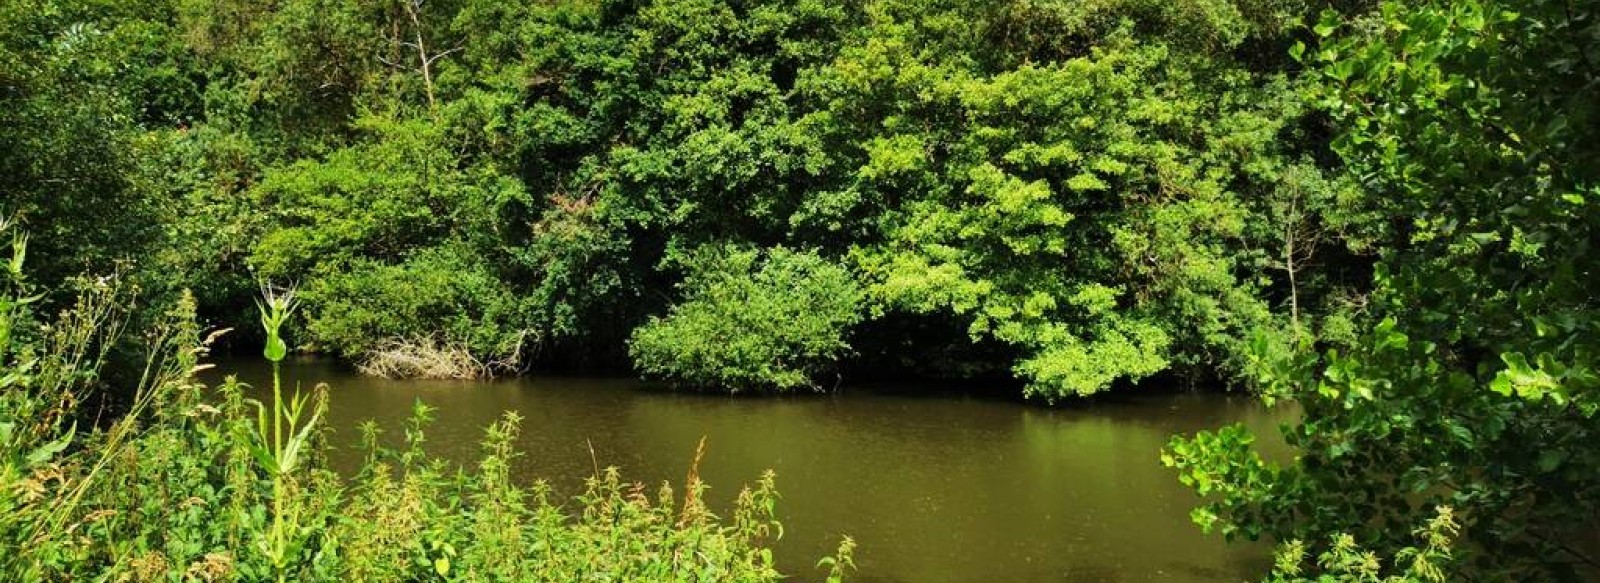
[947,487]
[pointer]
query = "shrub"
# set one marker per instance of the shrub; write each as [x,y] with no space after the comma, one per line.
[184,486]
[752,320]
[442,295]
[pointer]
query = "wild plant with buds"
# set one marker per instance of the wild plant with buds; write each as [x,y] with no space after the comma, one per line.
[281,543]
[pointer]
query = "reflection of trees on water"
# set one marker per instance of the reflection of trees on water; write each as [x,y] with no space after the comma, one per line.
[933,489]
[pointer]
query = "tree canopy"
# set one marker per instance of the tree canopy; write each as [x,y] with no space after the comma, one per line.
[1381,210]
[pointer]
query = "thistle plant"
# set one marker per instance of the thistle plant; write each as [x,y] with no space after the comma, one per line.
[281,455]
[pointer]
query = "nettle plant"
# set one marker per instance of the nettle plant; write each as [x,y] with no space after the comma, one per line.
[198,483]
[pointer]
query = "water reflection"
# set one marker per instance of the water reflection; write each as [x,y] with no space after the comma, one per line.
[935,489]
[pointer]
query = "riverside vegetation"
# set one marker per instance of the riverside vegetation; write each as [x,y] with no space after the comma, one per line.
[1384,211]
[197,485]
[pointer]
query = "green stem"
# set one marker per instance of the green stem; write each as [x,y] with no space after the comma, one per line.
[277,411]
[277,473]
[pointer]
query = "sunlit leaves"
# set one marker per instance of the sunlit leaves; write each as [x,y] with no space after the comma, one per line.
[1473,385]
[1055,161]
[749,320]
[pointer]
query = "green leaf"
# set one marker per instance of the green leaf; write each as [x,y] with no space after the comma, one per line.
[1501,385]
[263,455]
[43,453]
[1551,459]
[1327,23]
[1472,20]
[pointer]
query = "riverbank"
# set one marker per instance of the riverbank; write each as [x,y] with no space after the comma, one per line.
[944,488]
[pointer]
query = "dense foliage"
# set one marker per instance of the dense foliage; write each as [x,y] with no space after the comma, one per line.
[1383,211]
[196,484]
[1097,186]
[69,158]
[752,320]
[1472,125]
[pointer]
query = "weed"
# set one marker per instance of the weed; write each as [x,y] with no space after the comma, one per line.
[203,484]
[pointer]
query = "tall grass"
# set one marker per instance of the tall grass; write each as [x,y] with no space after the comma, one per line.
[198,483]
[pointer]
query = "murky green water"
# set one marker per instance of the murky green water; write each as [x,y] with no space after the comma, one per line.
[933,488]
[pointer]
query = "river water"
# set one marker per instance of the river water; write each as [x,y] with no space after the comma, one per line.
[947,487]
